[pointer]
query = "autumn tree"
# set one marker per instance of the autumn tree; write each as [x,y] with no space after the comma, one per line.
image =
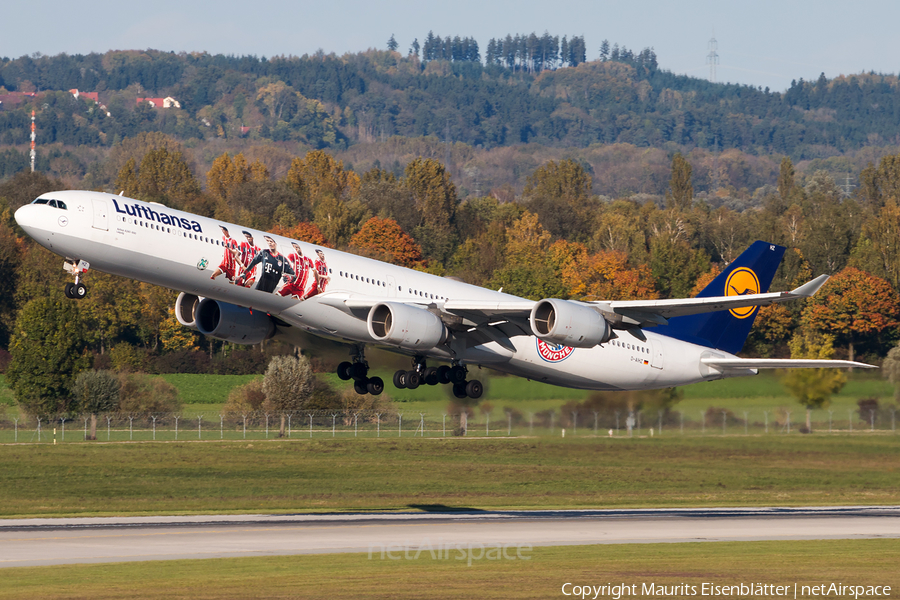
[813,387]
[318,174]
[385,238]
[287,384]
[95,392]
[854,307]
[681,190]
[527,271]
[434,198]
[163,176]
[785,183]
[228,173]
[560,194]
[601,276]
[48,349]
[303,231]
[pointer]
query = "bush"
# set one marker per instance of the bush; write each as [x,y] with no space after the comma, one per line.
[143,394]
[128,359]
[247,398]
[4,360]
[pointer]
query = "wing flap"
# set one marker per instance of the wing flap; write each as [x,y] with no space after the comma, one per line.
[781,363]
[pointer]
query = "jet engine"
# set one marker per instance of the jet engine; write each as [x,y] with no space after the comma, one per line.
[405,326]
[186,309]
[568,323]
[230,323]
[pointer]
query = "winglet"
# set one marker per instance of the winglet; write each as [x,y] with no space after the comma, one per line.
[811,287]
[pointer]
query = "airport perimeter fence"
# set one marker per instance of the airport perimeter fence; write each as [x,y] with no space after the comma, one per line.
[210,426]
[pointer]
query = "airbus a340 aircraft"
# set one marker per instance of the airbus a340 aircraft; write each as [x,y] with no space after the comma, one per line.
[246,286]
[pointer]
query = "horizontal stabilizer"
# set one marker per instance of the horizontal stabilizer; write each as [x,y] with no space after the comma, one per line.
[782,363]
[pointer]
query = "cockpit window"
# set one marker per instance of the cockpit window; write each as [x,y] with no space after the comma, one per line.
[41,201]
[61,204]
[53,203]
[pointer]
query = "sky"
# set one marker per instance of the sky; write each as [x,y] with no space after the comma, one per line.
[763,43]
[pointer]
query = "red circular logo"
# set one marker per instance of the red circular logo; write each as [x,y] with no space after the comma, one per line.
[553,352]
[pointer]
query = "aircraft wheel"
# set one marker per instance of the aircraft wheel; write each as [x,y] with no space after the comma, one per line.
[343,370]
[474,389]
[375,386]
[400,380]
[360,388]
[457,374]
[79,291]
[358,372]
[459,390]
[443,374]
[412,379]
[69,290]
[431,376]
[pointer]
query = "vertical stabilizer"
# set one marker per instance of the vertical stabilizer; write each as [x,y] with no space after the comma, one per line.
[750,273]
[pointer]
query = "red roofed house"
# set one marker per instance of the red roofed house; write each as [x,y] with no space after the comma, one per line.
[95,96]
[167,102]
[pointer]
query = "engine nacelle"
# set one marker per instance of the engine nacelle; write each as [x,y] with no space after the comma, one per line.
[405,326]
[568,323]
[186,309]
[230,323]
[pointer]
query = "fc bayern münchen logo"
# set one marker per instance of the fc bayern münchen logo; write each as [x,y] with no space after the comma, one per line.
[553,352]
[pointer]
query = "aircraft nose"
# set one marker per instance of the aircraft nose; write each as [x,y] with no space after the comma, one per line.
[27,217]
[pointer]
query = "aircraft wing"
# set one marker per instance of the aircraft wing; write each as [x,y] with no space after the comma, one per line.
[475,313]
[657,312]
[781,363]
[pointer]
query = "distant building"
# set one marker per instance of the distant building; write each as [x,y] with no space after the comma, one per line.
[95,96]
[167,102]
[14,98]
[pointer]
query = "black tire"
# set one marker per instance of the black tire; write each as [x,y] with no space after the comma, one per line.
[69,290]
[358,372]
[343,370]
[430,376]
[400,380]
[443,374]
[412,380]
[474,389]
[360,388]
[375,386]
[457,374]
[459,390]
[79,291]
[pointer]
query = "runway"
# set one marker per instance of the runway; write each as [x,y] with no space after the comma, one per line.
[38,542]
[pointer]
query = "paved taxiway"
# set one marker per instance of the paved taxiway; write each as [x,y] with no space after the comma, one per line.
[33,542]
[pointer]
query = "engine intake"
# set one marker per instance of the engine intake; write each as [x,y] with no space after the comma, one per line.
[186,309]
[568,323]
[230,323]
[405,326]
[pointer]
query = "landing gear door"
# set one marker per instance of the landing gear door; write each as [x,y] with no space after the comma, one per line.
[656,359]
[100,218]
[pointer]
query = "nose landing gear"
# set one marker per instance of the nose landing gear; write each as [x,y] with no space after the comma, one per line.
[77,290]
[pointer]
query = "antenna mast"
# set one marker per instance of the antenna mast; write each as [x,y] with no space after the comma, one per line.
[712,59]
[32,141]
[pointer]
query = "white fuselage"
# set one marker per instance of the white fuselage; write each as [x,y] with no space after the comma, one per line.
[159,245]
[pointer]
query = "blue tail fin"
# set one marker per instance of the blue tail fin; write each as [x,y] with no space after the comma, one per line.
[751,273]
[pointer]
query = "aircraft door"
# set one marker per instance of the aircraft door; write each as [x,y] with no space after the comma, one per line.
[392,287]
[656,359]
[100,219]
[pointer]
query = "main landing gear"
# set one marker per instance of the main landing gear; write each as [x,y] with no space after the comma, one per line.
[455,375]
[358,371]
[77,290]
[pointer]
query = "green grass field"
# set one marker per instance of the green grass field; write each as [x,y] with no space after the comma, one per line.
[848,562]
[392,474]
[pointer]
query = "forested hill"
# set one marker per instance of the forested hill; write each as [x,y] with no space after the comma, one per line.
[326,101]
